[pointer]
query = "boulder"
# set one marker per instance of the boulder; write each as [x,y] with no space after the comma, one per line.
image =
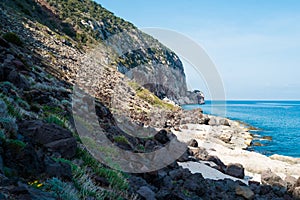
[162,137]
[184,157]
[213,121]
[146,193]
[58,169]
[235,170]
[226,137]
[192,143]
[245,192]
[179,174]
[195,183]
[51,136]
[270,178]
[224,122]
[18,80]
[199,153]
[220,165]
[137,182]
[291,182]
[24,161]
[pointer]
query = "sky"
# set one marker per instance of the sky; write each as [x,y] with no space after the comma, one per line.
[254,44]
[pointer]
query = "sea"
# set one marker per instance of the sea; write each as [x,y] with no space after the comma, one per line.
[278,119]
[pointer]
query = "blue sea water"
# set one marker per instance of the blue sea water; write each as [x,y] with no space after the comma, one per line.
[279,119]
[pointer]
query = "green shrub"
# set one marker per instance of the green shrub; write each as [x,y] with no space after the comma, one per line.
[140,148]
[13,110]
[12,38]
[9,125]
[53,110]
[55,120]
[116,179]
[87,158]
[121,139]
[61,189]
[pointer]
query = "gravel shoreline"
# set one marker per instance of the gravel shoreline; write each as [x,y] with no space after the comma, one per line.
[229,141]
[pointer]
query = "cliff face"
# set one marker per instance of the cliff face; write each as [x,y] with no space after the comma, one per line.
[84,23]
[41,154]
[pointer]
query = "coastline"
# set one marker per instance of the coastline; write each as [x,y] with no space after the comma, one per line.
[277,134]
[229,140]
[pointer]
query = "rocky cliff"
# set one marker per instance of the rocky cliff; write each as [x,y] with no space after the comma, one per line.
[84,23]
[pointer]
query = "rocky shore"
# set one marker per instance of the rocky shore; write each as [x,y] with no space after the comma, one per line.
[219,147]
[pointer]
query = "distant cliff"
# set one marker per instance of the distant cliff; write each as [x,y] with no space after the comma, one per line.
[88,24]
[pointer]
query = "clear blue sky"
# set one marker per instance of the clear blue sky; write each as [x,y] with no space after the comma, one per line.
[255,44]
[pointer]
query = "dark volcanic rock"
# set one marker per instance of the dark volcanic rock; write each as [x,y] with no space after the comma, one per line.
[65,147]
[221,166]
[162,137]
[179,173]
[24,161]
[235,170]
[184,157]
[58,169]
[195,183]
[18,80]
[146,193]
[51,136]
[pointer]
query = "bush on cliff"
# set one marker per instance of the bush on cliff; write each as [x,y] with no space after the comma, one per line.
[13,38]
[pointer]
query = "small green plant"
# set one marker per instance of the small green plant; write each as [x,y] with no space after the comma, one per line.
[87,158]
[13,110]
[140,148]
[116,179]
[16,144]
[53,110]
[85,185]
[55,120]
[62,190]
[13,38]
[121,139]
